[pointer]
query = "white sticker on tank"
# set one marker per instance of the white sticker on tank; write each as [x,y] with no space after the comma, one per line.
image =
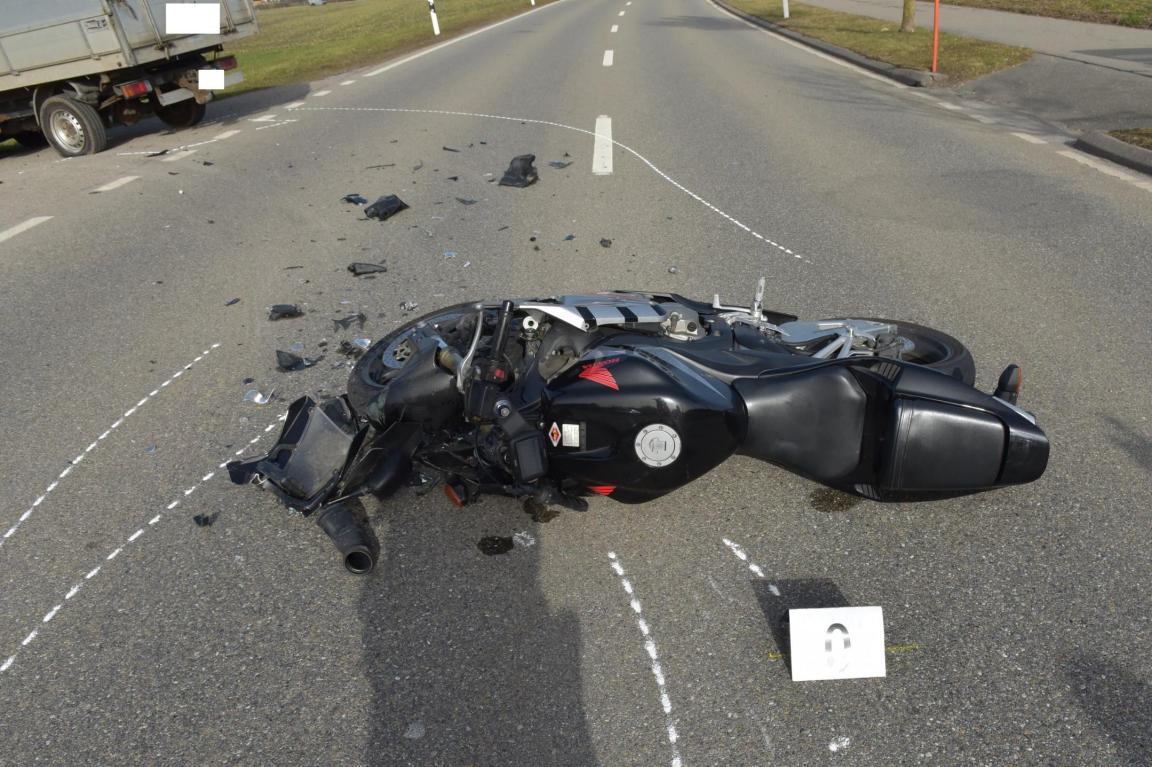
[571,434]
[657,445]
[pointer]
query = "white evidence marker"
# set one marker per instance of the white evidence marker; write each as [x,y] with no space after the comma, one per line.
[615,28]
[8,234]
[602,148]
[837,643]
[191,18]
[210,79]
[608,56]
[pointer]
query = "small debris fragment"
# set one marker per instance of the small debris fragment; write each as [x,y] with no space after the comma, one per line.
[605,242]
[453,178]
[360,268]
[254,395]
[355,199]
[449,149]
[560,164]
[289,362]
[150,450]
[292,267]
[673,270]
[494,545]
[418,166]
[283,311]
[346,322]
[408,306]
[247,381]
[205,520]
[569,237]
[415,730]
[207,163]
[232,302]
[385,207]
[501,229]
[521,172]
[378,167]
[157,154]
[449,254]
[465,201]
[839,744]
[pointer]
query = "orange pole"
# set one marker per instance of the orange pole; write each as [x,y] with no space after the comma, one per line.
[936,36]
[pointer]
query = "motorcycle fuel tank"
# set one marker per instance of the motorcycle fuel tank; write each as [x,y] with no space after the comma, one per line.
[636,423]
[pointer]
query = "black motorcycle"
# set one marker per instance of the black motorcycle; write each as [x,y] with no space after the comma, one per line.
[632,395]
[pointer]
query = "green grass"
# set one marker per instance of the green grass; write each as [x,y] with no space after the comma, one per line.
[961,58]
[301,43]
[1129,13]
[1141,137]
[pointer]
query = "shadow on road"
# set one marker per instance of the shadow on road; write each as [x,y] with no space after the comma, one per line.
[794,595]
[1117,701]
[1132,442]
[707,23]
[468,663]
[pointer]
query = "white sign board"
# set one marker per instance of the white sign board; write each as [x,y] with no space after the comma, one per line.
[837,643]
[192,19]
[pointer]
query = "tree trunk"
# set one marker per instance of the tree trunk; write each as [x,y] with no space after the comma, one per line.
[908,24]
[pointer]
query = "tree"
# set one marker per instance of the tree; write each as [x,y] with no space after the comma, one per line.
[908,23]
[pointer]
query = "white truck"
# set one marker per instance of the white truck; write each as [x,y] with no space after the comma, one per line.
[71,69]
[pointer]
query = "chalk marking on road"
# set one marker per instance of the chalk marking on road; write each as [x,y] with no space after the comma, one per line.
[758,571]
[115,184]
[227,134]
[1029,138]
[321,93]
[115,425]
[615,28]
[625,147]
[608,56]
[183,154]
[455,40]
[132,538]
[348,82]
[8,234]
[654,661]
[602,147]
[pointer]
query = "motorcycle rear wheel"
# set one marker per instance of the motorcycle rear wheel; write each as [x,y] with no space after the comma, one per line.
[934,349]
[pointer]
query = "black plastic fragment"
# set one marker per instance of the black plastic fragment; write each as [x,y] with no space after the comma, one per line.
[569,237]
[465,201]
[386,207]
[453,178]
[605,242]
[282,311]
[360,268]
[349,349]
[449,149]
[346,322]
[382,165]
[289,362]
[207,163]
[494,545]
[355,199]
[560,164]
[205,520]
[232,302]
[521,172]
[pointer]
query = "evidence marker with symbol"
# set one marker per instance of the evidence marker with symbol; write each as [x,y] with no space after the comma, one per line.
[657,445]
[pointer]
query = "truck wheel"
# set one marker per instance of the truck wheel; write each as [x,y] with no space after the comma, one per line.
[72,127]
[31,139]
[182,114]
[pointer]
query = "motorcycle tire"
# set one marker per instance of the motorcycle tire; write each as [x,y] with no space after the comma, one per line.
[365,383]
[935,349]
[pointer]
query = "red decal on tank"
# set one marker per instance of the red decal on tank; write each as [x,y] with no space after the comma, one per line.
[598,371]
[602,489]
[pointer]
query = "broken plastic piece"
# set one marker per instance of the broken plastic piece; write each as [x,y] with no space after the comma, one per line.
[355,199]
[673,270]
[346,322]
[605,242]
[449,254]
[254,395]
[465,201]
[207,163]
[521,172]
[408,306]
[449,149]
[282,311]
[453,178]
[418,166]
[560,164]
[205,520]
[360,268]
[569,237]
[385,207]
[377,167]
[232,301]
[289,362]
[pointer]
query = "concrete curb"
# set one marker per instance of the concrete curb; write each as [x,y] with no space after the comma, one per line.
[1103,145]
[914,77]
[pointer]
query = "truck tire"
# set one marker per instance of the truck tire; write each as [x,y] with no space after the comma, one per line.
[72,127]
[182,114]
[31,139]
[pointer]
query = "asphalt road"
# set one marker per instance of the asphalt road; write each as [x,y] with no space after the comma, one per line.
[1016,620]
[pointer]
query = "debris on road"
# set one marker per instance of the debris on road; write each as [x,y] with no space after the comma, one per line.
[157,154]
[205,520]
[560,164]
[257,397]
[378,167]
[284,311]
[346,322]
[355,199]
[355,347]
[360,268]
[289,362]
[569,237]
[494,545]
[415,730]
[605,242]
[207,163]
[449,254]
[453,178]
[521,172]
[385,207]
[449,149]
[673,270]
[418,166]
[408,306]
[465,201]
[232,302]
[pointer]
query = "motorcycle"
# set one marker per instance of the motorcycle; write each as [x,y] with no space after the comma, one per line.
[631,395]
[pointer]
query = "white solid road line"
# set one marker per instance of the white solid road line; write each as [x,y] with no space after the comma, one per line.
[608,55]
[1099,165]
[179,155]
[602,148]
[1030,138]
[8,234]
[615,28]
[115,184]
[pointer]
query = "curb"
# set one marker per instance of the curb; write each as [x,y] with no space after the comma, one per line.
[1103,145]
[914,77]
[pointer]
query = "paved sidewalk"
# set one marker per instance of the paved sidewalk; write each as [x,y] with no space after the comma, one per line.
[1084,76]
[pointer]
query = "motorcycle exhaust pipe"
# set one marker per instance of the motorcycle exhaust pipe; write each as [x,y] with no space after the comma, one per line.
[354,540]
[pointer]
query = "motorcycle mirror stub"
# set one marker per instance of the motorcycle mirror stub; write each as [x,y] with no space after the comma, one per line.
[837,643]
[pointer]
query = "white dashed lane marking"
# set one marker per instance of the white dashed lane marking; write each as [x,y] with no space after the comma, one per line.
[226,134]
[8,234]
[602,147]
[92,446]
[321,93]
[1029,138]
[608,56]
[115,184]
[615,28]
[183,154]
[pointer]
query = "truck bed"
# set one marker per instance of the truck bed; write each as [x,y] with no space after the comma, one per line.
[44,41]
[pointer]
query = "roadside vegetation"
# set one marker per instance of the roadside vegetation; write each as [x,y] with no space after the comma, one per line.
[1128,13]
[1141,137]
[300,43]
[961,58]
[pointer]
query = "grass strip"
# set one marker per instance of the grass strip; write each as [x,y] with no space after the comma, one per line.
[961,58]
[1141,137]
[1127,13]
